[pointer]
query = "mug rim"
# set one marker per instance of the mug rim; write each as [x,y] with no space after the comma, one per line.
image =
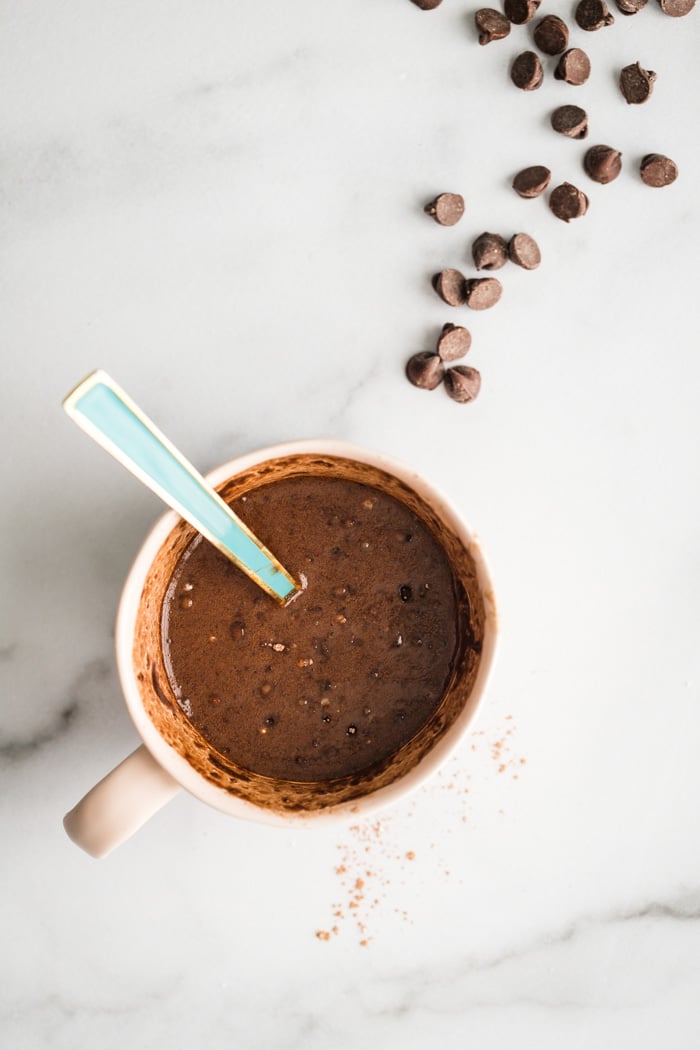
[178,767]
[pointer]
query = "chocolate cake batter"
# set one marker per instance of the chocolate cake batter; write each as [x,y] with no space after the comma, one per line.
[345,674]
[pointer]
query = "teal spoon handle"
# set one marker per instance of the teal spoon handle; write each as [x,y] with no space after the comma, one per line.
[108,415]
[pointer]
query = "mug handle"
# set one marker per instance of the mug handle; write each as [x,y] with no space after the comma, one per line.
[120,804]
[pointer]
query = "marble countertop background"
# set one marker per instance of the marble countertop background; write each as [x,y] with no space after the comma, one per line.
[221,204]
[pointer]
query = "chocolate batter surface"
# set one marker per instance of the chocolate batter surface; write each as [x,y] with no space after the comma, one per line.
[349,671]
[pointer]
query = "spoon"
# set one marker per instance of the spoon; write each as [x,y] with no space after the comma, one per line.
[107,414]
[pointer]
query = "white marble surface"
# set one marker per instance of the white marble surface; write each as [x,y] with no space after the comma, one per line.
[220,204]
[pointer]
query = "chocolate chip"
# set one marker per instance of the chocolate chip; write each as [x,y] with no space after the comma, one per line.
[425,370]
[551,35]
[489,251]
[636,84]
[657,170]
[483,292]
[462,383]
[454,342]
[593,14]
[571,121]
[449,284]
[602,164]
[526,71]
[491,25]
[405,592]
[676,8]
[630,7]
[447,208]
[532,181]
[521,11]
[427,5]
[524,251]
[567,202]
[574,67]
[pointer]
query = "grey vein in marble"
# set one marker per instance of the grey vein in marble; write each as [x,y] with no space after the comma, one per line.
[17,749]
[141,153]
[350,395]
[412,993]
[8,652]
[280,65]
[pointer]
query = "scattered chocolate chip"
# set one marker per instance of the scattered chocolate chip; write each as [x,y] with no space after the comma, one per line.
[567,202]
[427,5]
[524,251]
[425,370]
[462,383]
[592,14]
[526,71]
[636,84]
[454,342]
[657,170]
[491,25]
[521,11]
[571,121]
[676,8]
[489,251]
[483,292]
[532,181]
[630,7]
[574,67]
[449,284]
[551,35]
[447,208]
[405,592]
[602,164]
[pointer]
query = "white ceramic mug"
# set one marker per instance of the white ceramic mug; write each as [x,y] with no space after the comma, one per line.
[165,762]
